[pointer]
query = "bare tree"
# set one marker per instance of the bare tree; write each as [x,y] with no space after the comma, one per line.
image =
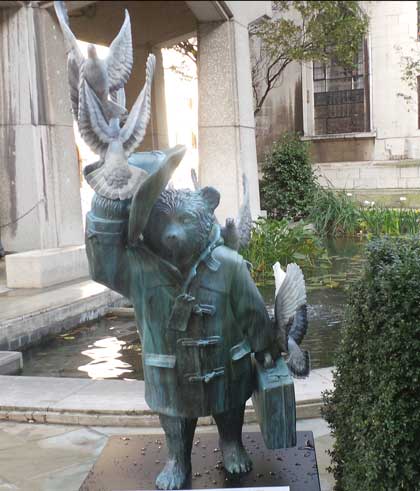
[189,49]
[304,31]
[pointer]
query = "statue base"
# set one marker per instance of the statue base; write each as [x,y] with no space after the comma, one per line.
[132,463]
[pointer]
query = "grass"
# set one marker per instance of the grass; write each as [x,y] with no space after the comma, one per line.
[378,221]
[335,213]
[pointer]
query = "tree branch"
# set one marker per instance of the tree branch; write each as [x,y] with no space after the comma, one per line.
[270,81]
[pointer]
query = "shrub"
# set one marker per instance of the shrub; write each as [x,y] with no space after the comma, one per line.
[334,213]
[288,180]
[279,240]
[374,411]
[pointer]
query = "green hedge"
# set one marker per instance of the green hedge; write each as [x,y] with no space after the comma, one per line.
[374,411]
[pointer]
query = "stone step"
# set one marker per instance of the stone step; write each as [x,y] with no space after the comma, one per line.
[82,401]
[28,316]
[127,312]
[11,362]
[42,268]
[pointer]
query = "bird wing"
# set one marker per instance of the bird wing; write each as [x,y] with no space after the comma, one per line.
[300,324]
[75,58]
[70,40]
[134,129]
[290,297]
[119,61]
[93,126]
[244,222]
[298,361]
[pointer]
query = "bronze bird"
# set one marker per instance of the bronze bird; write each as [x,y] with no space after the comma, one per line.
[105,77]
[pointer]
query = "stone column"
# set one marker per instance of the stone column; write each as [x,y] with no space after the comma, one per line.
[39,174]
[159,123]
[156,137]
[226,138]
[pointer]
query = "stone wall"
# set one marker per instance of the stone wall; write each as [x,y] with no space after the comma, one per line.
[383,182]
[39,175]
[394,122]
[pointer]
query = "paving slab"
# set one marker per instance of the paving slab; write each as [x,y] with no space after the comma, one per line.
[69,478]
[34,393]
[35,464]
[38,459]
[110,396]
[18,432]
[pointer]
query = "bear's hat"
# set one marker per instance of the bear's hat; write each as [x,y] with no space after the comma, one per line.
[149,190]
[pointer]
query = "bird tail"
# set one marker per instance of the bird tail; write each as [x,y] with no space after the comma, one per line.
[298,361]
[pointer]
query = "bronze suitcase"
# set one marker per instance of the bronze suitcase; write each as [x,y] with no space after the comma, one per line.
[274,404]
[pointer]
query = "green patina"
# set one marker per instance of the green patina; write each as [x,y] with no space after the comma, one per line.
[200,317]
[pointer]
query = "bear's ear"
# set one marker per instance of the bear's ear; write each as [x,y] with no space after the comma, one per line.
[211,196]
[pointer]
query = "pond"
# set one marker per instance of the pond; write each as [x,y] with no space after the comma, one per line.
[110,348]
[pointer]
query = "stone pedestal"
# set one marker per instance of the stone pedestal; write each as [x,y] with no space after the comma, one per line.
[39,175]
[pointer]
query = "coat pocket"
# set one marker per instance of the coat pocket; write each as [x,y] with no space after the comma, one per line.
[159,371]
[159,361]
[240,356]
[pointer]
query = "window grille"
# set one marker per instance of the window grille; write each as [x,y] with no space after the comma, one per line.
[341,96]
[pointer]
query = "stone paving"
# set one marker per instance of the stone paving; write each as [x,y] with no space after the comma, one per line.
[36,457]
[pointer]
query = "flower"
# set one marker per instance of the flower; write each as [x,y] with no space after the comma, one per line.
[403,198]
[349,194]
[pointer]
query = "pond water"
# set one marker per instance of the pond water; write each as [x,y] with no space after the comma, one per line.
[110,348]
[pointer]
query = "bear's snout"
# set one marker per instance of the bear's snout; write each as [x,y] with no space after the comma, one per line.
[173,236]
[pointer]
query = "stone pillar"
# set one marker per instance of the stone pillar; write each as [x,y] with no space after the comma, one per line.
[157,132]
[159,123]
[39,174]
[226,140]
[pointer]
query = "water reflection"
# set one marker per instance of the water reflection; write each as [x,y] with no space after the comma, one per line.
[106,363]
[110,347]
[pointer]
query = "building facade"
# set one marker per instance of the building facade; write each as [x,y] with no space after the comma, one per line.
[364,133]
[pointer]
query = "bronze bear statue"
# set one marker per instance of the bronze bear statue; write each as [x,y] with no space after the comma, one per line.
[199,314]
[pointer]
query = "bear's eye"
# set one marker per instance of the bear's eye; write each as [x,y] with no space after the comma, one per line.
[187,219]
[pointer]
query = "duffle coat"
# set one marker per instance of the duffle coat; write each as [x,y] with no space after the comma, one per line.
[196,362]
